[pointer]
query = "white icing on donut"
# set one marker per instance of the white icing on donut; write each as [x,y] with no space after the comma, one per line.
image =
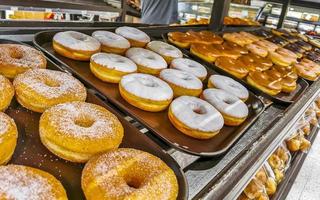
[165,49]
[226,103]
[114,61]
[108,38]
[229,85]
[16,182]
[191,66]
[181,78]
[133,34]
[37,80]
[77,41]
[146,58]
[147,86]
[197,114]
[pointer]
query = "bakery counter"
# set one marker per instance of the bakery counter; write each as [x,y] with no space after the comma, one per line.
[220,176]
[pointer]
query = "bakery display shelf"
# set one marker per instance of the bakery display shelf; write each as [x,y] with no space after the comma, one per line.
[243,171]
[31,152]
[281,98]
[158,123]
[296,163]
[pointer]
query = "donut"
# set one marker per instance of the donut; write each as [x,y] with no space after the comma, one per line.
[304,45]
[233,110]
[75,45]
[253,62]
[146,92]
[235,47]
[239,39]
[278,41]
[76,131]
[182,83]
[232,66]
[16,59]
[306,72]
[195,117]
[288,78]
[262,34]
[264,82]
[128,174]
[110,67]
[280,58]
[147,61]
[249,36]
[296,49]
[206,37]
[136,37]
[257,49]
[182,40]
[191,66]
[167,51]
[111,42]
[39,89]
[229,85]
[22,182]
[6,93]
[8,138]
[303,37]
[269,46]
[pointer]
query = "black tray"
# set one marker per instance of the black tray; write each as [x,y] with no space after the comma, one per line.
[158,122]
[31,152]
[281,98]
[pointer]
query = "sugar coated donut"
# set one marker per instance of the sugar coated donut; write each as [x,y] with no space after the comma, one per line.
[76,131]
[232,66]
[128,174]
[22,182]
[8,138]
[146,92]
[40,89]
[191,66]
[147,61]
[136,37]
[75,45]
[6,93]
[111,42]
[229,85]
[16,59]
[195,117]
[111,67]
[182,83]
[167,51]
[233,110]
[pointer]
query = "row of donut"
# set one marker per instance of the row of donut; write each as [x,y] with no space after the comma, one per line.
[266,67]
[199,118]
[76,131]
[265,182]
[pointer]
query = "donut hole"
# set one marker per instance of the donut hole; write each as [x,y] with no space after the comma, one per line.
[198,109]
[51,83]
[84,122]
[184,76]
[192,66]
[16,54]
[150,57]
[228,101]
[148,82]
[133,182]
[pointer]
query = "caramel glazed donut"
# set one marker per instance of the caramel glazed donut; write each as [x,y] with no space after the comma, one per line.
[16,59]
[8,138]
[76,131]
[75,45]
[195,117]
[110,67]
[40,89]
[233,110]
[22,182]
[146,92]
[6,93]
[128,174]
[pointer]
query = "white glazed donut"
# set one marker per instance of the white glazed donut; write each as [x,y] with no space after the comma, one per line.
[136,37]
[111,67]
[75,45]
[229,85]
[195,117]
[146,92]
[191,66]
[167,51]
[182,83]
[111,42]
[148,61]
[233,110]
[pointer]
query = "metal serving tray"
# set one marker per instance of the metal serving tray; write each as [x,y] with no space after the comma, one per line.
[158,123]
[31,152]
[281,98]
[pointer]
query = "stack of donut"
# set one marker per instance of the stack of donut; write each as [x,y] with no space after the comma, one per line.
[73,130]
